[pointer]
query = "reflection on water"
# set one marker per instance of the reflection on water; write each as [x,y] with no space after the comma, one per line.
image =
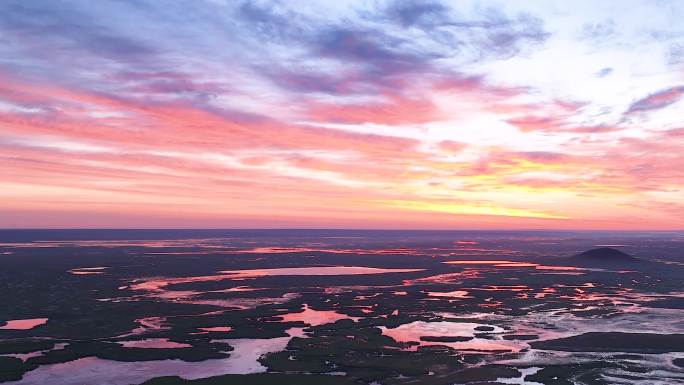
[87,270]
[447,278]
[421,333]
[23,324]
[313,317]
[148,324]
[244,359]
[91,370]
[513,288]
[477,262]
[217,329]
[502,297]
[153,343]
[466,242]
[233,303]
[504,263]
[155,284]
[317,270]
[158,287]
[26,356]
[451,294]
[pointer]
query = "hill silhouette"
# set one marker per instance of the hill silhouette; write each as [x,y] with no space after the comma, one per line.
[605,254]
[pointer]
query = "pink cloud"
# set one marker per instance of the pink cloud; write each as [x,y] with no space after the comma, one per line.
[657,100]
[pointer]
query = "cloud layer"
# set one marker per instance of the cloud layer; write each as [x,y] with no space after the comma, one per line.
[399,114]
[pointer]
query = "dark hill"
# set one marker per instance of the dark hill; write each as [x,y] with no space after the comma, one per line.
[606,254]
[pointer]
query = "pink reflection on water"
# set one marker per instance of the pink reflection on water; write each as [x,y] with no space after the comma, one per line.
[238,289]
[316,270]
[166,243]
[561,268]
[241,303]
[477,262]
[545,292]
[365,297]
[313,317]
[354,288]
[155,284]
[465,251]
[217,329]
[156,287]
[514,288]
[450,294]
[445,278]
[467,242]
[146,325]
[276,250]
[178,252]
[243,360]
[412,333]
[280,249]
[516,264]
[490,303]
[363,309]
[505,263]
[23,324]
[153,343]
[88,270]
[151,323]
[25,356]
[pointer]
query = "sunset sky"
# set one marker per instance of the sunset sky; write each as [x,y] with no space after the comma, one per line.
[342,114]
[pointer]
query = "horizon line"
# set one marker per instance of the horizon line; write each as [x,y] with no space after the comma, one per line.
[327,229]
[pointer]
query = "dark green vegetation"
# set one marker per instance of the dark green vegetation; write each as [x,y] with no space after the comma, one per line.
[521,337]
[513,307]
[256,379]
[27,345]
[479,375]
[616,342]
[570,374]
[445,338]
[679,362]
[113,351]
[12,369]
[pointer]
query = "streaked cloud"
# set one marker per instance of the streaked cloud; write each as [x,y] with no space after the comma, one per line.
[658,100]
[470,209]
[411,114]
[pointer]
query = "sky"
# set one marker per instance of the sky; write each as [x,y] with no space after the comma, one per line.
[342,114]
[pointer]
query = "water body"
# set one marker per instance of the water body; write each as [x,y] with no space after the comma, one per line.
[23,324]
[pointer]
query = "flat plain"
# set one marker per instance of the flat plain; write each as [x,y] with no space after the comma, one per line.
[340,307]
